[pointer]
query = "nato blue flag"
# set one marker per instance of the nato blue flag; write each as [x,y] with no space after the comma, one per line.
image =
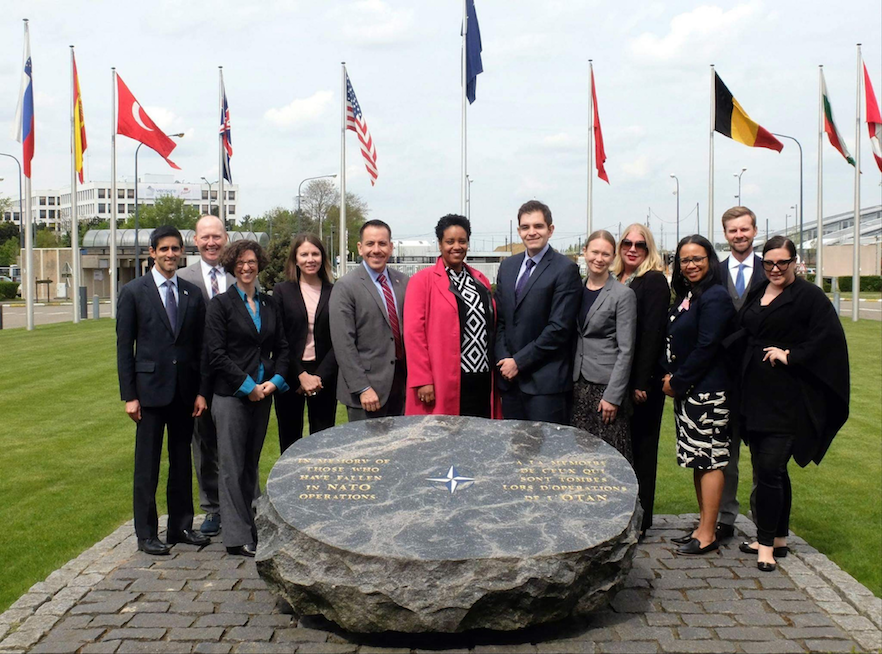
[473,50]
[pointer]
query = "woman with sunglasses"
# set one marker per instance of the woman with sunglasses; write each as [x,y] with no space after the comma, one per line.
[639,266]
[697,379]
[795,389]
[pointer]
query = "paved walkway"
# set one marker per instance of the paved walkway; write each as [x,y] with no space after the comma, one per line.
[112,598]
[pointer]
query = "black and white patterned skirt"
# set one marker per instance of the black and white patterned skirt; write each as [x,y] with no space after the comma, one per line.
[702,423]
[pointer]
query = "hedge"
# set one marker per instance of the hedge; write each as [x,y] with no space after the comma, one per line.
[8,290]
[869,283]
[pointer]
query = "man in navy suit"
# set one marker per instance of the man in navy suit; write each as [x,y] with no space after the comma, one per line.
[159,330]
[740,272]
[537,301]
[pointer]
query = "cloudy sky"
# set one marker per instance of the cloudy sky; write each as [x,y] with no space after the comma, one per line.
[527,130]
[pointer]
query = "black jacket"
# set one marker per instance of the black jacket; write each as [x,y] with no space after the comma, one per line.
[653,299]
[234,349]
[154,359]
[294,317]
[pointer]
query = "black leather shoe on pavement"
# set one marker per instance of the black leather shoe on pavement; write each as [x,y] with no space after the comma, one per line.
[190,537]
[153,546]
[682,540]
[243,550]
[725,531]
[211,526]
[694,547]
[766,567]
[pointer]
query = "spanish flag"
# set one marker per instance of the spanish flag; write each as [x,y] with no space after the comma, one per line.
[733,121]
[79,123]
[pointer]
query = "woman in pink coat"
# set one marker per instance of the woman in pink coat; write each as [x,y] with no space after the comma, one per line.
[449,321]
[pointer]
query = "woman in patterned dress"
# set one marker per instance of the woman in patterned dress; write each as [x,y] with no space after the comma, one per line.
[449,321]
[697,379]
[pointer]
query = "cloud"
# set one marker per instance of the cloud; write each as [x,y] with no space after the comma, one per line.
[166,120]
[696,34]
[374,22]
[637,167]
[563,141]
[301,111]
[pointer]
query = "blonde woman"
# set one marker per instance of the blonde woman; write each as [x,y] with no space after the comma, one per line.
[639,266]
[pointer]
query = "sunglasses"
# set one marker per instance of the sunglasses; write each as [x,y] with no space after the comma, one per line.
[639,245]
[782,265]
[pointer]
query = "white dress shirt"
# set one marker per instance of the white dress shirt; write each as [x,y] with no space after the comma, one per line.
[748,269]
[206,277]
[159,280]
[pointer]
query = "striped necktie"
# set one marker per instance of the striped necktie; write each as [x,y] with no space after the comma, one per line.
[215,289]
[393,317]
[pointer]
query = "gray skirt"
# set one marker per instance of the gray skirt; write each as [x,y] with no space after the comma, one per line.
[702,423]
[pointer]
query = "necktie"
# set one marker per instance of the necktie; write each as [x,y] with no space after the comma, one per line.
[522,282]
[215,289]
[171,305]
[739,280]
[393,317]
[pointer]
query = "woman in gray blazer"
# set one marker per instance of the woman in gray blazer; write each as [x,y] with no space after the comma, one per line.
[606,330]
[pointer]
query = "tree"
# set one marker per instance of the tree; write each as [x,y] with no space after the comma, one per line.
[356,215]
[165,211]
[315,204]
[46,238]
[9,231]
[9,251]
[277,252]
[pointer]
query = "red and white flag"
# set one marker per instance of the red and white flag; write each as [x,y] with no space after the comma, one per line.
[356,122]
[133,121]
[874,119]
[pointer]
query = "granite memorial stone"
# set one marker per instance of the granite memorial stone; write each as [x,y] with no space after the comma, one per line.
[447,524]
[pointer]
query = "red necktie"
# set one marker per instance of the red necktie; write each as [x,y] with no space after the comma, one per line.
[393,317]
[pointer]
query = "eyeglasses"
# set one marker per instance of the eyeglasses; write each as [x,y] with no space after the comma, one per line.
[782,265]
[639,245]
[241,265]
[692,260]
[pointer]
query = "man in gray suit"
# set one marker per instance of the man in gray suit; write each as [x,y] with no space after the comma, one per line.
[212,279]
[741,272]
[367,306]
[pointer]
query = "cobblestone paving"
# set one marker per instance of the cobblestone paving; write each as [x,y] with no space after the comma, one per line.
[115,599]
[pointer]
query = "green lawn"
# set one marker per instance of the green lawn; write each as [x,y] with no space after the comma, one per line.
[66,453]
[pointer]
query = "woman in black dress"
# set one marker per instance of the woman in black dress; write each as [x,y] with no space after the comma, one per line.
[794,388]
[639,266]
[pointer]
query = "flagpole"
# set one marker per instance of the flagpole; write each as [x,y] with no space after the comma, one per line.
[856,263]
[342,268]
[220,150]
[114,256]
[30,281]
[819,242]
[590,146]
[463,181]
[74,225]
[710,180]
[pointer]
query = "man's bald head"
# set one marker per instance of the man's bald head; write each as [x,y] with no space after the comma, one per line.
[211,237]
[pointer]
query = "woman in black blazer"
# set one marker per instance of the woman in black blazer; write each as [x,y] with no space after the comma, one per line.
[303,301]
[697,379]
[246,349]
[639,266]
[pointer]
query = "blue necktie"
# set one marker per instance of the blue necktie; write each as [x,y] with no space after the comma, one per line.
[739,280]
[522,282]
[171,305]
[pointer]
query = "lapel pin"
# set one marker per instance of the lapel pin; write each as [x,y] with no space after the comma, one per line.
[185,292]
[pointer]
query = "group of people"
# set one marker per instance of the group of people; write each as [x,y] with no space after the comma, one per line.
[746,350]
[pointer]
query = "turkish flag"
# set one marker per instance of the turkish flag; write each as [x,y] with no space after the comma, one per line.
[133,121]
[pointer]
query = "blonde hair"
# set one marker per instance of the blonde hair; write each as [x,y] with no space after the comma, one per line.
[653,260]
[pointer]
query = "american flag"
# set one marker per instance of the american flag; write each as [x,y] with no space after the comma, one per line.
[226,137]
[355,121]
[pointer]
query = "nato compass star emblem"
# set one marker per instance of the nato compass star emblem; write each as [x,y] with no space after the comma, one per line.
[453,481]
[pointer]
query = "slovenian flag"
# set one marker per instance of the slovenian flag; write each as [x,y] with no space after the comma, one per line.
[23,125]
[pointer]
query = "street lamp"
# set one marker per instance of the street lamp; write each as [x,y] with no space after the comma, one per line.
[137,242]
[677,193]
[209,193]
[469,198]
[738,175]
[801,253]
[299,187]
[20,210]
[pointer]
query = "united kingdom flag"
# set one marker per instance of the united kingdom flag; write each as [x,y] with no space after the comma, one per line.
[226,138]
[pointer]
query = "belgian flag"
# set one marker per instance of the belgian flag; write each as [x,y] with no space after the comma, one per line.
[733,121]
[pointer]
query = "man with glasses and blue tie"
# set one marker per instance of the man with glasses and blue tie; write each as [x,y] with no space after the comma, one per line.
[211,278]
[741,271]
[159,330]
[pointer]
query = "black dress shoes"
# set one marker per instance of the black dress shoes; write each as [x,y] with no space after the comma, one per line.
[682,540]
[779,552]
[153,546]
[694,547]
[243,550]
[766,567]
[189,537]
[725,531]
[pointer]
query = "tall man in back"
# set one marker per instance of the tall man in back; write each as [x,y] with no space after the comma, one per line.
[211,278]
[740,272]
[159,327]
[537,301]
[367,306]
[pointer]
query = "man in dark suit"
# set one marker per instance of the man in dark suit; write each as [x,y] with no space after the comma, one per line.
[159,328]
[210,277]
[740,272]
[537,301]
[367,306]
